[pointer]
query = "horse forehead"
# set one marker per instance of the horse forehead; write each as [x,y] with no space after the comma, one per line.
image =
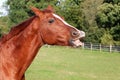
[58,17]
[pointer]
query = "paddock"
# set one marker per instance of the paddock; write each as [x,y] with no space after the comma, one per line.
[65,63]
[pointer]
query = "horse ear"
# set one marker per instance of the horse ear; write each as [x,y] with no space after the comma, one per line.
[36,11]
[50,8]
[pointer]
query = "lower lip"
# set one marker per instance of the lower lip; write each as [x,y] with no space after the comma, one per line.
[76,43]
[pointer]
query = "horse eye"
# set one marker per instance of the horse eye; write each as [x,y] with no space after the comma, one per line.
[51,20]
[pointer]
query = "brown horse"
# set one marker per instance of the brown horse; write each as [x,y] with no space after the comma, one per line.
[19,47]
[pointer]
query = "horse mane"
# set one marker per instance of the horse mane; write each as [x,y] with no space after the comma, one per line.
[16,30]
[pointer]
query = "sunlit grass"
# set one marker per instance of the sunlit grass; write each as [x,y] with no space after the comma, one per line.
[63,63]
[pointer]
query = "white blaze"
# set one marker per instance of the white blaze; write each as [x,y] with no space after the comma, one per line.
[58,17]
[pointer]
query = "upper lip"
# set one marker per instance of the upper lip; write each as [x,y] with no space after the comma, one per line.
[82,35]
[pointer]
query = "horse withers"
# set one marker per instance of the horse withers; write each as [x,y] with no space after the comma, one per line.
[19,47]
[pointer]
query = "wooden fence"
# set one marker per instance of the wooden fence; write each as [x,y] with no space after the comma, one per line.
[97,46]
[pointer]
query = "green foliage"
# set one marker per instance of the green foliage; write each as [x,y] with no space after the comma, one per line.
[94,34]
[71,10]
[107,39]
[20,11]
[112,1]
[89,8]
[115,31]
[17,11]
[4,21]
[108,15]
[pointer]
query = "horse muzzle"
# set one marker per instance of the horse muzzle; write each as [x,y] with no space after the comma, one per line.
[76,42]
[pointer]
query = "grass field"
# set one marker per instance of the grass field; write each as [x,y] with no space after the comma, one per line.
[63,63]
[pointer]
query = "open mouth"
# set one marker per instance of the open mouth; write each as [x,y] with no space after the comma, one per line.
[76,43]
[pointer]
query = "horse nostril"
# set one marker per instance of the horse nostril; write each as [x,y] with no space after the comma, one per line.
[74,33]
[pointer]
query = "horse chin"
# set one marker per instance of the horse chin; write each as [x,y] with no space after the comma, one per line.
[75,43]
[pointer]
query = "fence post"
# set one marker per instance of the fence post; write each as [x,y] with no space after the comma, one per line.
[91,46]
[100,48]
[110,48]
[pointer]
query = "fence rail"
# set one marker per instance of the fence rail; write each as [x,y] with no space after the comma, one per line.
[100,47]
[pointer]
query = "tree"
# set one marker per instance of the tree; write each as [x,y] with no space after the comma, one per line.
[112,1]
[4,21]
[94,35]
[108,17]
[71,9]
[89,10]
[107,39]
[20,10]
[115,31]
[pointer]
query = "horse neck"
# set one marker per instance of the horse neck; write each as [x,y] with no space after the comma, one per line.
[29,36]
[30,42]
[23,47]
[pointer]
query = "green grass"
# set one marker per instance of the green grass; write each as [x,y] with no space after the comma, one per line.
[63,63]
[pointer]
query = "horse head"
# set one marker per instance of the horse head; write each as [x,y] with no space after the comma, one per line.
[55,31]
